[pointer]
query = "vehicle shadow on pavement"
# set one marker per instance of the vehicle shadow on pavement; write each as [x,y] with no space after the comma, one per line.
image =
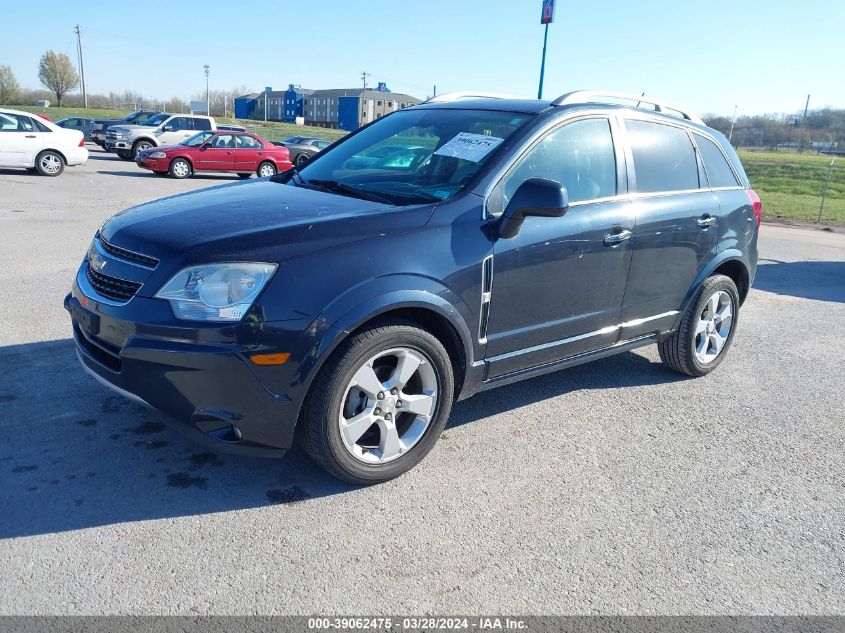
[149,174]
[623,370]
[75,456]
[822,281]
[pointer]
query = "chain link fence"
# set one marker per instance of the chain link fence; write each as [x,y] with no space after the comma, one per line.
[805,187]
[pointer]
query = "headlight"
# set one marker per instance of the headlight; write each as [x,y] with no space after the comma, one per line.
[158,155]
[215,292]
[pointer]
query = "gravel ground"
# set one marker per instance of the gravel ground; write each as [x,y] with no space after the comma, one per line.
[616,487]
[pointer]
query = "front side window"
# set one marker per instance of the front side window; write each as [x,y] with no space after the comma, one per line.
[578,155]
[664,158]
[719,173]
[434,153]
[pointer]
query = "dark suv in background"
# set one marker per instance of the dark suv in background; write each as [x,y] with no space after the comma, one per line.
[352,307]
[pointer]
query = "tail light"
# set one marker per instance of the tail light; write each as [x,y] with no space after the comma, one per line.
[754,199]
[82,142]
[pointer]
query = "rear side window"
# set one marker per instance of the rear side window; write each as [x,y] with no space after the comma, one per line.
[719,173]
[664,158]
[202,124]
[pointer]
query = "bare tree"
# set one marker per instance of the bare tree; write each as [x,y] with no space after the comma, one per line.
[9,88]
[57,73]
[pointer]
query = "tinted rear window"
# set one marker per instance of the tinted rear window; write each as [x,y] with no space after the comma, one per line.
[664,158]
[719,173]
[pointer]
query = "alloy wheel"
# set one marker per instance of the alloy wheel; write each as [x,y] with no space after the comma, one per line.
[51,163]
[388,405]
[713,327]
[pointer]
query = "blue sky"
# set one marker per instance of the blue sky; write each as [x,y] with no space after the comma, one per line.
[762,55]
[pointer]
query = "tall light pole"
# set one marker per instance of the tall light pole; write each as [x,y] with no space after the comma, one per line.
[546,17]
[82,67]
[207,100]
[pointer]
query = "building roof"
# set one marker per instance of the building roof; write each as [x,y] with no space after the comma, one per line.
[334,93]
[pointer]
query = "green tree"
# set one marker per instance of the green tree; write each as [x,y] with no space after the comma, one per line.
[57,73]
[9,87]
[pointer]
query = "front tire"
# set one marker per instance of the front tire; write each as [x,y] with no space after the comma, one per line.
[49,163]
[244,176]
[140,146]
[707,329]
[379,405]
[180,168]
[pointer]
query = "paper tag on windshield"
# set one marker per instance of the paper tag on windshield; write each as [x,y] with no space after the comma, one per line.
[472,147]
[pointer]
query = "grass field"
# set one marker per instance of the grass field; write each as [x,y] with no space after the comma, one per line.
[790,185]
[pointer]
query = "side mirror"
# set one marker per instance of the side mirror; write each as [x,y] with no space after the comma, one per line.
[536,196]
[166,128]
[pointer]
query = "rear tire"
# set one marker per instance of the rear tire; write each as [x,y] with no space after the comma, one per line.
[300,159]
[707,329]
[49,163]
[266,169]
[363,380]
[180,168]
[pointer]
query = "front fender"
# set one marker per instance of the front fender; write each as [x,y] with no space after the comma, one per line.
[365,302]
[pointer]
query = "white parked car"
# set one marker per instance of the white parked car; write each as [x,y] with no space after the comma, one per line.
[36,144]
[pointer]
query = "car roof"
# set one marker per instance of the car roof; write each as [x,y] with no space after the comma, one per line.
[536,106]
[528,106]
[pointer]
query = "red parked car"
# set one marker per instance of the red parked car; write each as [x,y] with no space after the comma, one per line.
[239,152]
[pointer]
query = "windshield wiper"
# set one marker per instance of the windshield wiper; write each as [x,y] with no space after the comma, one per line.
[339,187]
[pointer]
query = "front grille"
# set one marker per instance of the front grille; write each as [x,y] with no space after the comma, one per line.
[112,287]
[122,253]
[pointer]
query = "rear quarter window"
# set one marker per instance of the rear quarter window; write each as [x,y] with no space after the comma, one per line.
[664,158]
[719,172]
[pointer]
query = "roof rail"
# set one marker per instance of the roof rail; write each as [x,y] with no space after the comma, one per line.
[589,96]
[447,97]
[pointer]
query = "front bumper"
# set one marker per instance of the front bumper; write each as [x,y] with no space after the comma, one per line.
[118,145]
[199,378]
[155,164]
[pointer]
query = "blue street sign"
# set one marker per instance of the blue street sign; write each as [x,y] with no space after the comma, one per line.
[548,15]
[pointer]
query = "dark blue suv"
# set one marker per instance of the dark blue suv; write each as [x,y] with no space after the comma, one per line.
[350,302]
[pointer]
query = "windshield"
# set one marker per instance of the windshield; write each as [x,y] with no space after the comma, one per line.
[157,119]
[413,156]
[196,139]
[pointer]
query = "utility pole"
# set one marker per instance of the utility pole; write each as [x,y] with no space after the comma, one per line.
[364,75]
[81,66]
[806,106]
[435,91]
[733,120]
[207,99]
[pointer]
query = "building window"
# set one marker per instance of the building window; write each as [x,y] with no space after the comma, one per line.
[389,104]
[378,102]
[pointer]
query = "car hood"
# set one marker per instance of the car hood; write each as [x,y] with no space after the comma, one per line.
[259,220]
[128,128]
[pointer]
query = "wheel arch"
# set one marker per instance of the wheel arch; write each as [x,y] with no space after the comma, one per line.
[730,263]
[55,150]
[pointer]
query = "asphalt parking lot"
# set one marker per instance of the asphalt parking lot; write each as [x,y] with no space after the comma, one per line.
[616,487]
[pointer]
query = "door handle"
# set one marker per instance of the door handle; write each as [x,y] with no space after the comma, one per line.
[30,136]
[705,220]
[612,239]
